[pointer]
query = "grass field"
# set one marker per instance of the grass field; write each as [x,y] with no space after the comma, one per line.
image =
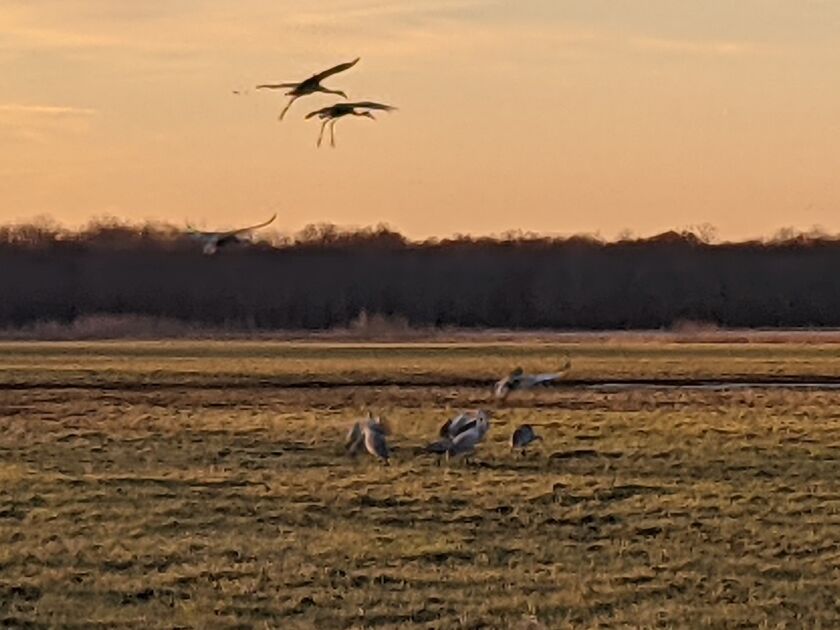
[166,484]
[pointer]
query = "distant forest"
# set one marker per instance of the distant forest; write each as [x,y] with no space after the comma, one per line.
[324,277]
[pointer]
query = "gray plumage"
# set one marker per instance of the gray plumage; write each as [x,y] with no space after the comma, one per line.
[375,442]
[462,422]
[368,434]
[466,441]
[517,379]
[523,436]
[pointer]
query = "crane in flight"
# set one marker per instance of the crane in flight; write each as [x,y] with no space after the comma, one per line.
[331,114]
[517,380]
[212,241]
[310,85]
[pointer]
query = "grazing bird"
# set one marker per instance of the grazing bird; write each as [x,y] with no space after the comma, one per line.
[519,380]
[522,437]
[310,85]
[212,241]
[331,114]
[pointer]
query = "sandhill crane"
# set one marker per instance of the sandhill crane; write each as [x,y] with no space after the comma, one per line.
[375,442]
[462,422]
[522,437]
[310,85]
[453,428]
[369,434]
[519,380]
[466,441]
[212,241]
[332,113]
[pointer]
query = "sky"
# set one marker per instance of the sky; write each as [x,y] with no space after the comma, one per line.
[550,116]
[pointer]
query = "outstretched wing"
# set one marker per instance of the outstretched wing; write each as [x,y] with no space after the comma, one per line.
[544,379]
[220,235]
[276,86]
[334,70]
[318,112]
[371,105]
[249,228]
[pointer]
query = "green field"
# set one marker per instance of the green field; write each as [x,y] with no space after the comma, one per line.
[188,484]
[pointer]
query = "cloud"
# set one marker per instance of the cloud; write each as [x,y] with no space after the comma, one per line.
[44,110]
[694,47]
[42,123]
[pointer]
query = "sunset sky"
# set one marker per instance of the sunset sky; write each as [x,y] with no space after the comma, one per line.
[553,116]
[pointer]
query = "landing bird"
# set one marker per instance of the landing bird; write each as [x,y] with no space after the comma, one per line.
[332,113]
[519,380]
[212,241]
[462,422]
[310,85]
[451,429]
[466,441]
[522,437]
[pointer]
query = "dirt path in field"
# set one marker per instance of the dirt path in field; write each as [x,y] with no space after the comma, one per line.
[243,382]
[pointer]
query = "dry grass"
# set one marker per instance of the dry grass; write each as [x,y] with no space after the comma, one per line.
[164,485]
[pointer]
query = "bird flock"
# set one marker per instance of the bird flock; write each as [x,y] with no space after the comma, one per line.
[460,436]
[329,115]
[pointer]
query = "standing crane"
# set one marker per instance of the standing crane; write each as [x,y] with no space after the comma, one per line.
[310,85]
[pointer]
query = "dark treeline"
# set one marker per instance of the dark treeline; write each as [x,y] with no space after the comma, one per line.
[325,277]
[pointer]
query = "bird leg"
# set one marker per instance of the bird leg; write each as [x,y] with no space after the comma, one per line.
[332,133]
[321,135]
[288,105]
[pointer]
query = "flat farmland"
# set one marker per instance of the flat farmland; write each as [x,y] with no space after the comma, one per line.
[203,484]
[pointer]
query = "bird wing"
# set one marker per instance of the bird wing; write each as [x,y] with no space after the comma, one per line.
[501,388]
[376,444]
[353,435]
[318,112]
[458,428]
[276,86]
[220,235]
[249,228]
[541,379]
[371,105]
[334,70]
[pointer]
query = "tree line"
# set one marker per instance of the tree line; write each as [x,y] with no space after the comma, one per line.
[324,277]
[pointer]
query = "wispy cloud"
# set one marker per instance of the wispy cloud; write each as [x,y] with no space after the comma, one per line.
[694,47]
[44,110]
[42,123]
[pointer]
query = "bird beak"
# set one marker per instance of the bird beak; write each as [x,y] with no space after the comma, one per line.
[369,115]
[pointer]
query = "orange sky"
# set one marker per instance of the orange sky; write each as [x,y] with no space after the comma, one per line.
[556,116]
